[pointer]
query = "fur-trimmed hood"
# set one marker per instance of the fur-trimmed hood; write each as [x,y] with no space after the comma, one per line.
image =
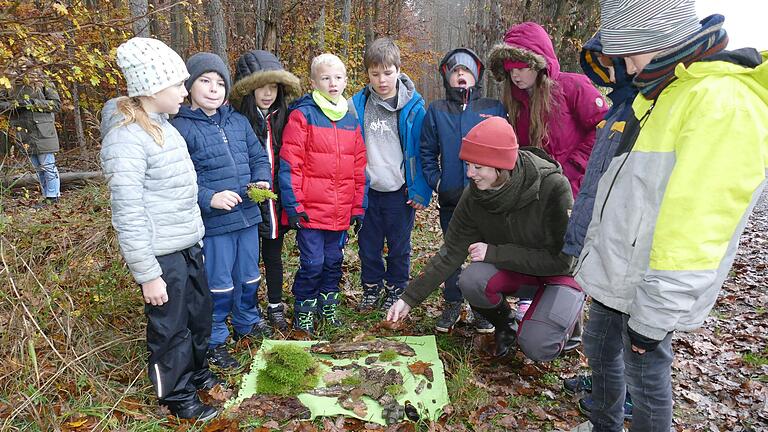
[527,42]
[258,68]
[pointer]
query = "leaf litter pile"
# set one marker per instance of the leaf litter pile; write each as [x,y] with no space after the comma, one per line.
[72,331]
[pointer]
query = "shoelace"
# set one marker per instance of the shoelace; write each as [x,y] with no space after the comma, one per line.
[305,319]
[329,311]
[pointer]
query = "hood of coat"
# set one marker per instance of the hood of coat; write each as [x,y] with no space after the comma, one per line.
[258,68]
[527,42]
[533,165]
[460,94]
[746,64]
[622,89]
[406,89]
[110,117]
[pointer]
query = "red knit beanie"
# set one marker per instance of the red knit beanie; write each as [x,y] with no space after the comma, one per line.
[492,143]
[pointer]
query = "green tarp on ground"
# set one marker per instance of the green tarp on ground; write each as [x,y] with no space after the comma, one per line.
[429,402]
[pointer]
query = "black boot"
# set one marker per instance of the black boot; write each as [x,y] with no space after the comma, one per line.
[192,409]
[503,318]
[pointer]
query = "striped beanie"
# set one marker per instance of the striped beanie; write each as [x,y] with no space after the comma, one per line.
[630,27]
[149,66]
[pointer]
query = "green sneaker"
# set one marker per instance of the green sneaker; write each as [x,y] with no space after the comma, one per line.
[304,316]
[329,306]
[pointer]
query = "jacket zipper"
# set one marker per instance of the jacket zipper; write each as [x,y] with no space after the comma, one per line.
[234,165]
[338,166]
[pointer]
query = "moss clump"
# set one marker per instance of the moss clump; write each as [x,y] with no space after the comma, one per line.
[394,390]
[387,355]
[260,195]
[290,370]
[352,380]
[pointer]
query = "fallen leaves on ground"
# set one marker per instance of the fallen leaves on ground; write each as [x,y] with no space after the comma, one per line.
[422,368]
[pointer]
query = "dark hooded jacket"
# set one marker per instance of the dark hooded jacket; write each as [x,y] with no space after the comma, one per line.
[445,124]
[577,105]
[31,115]
[523,224]
[607,138]
[253,70]
[227,156]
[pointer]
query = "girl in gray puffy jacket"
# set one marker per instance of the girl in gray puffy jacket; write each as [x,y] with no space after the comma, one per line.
[153,190]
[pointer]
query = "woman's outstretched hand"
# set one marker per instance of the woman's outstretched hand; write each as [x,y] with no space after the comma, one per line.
[398,311]
[477,251]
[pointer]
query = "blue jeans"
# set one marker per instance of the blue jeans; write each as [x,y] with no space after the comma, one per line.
[615,367]
[47,174]
[451,293]
[389,218]
[232,265]
[320,257]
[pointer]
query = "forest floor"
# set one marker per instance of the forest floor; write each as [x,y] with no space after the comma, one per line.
[72,352]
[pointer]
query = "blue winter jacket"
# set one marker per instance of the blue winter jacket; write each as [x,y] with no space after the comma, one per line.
[227,156]
[607,139]
[410,120]
[447,121]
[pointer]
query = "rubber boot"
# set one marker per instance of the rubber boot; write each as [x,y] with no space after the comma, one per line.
[503,319]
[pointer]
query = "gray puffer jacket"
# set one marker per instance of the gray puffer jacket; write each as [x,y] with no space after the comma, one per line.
[153,192]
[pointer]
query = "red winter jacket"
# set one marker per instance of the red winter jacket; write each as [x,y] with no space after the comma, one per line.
[322,167]
[577,109]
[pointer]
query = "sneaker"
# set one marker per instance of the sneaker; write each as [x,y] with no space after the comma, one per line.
[193,410]
[587,403]
[482,325]
[329,308]
[391,296]
[522,308]
[209,381]
[578,384]
[371,297]
[220,357]
[260,330]
[304,316]
[276,317]
[450,316]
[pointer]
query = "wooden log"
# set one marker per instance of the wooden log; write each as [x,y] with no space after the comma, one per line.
[67,178]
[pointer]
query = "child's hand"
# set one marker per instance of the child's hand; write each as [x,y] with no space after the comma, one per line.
[225,200]
[415,205]
[154,292]
[262,185]
[295,220]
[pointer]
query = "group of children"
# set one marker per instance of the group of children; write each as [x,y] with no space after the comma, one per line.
[368,163]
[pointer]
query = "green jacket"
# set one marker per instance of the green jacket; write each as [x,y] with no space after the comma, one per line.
[523,224]
[669,213]
[31,116]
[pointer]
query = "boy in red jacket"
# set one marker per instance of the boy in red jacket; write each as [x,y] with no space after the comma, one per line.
[322,187]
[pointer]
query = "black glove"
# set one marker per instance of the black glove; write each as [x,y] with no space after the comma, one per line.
[641,341]
[295,220]
[356,222]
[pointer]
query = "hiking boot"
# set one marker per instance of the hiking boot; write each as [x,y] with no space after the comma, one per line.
[329,308]
[503,319]
[450,316]
[578,384]
[276,317]
[260,330]
[192,409]
[392,294]
[482,325]
[586,404]
[304,316]
[220,357]
[371,297]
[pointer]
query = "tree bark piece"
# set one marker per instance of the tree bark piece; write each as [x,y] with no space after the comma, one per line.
[27,180]
[377,346]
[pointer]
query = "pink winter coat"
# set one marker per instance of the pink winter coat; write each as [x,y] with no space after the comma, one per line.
[577,107]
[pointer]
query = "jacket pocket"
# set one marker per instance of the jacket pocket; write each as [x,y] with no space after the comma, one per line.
[44,124]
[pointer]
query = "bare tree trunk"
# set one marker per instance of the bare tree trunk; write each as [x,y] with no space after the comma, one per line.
[179,31]
[371,16]
[320,30]
[218,31]
[139,11]
[154,23]
[346,16]
[272,26]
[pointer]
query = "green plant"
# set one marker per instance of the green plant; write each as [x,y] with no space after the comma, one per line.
[289,370]
[387,355]
[260,195]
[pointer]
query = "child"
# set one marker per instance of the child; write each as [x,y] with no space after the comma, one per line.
[550,109]
[154,211]
[261,93]
[446,123]
[322,187]
[390,112]
[227,157]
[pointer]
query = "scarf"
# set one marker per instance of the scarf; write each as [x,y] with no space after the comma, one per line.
[334,111]
[660,72]
[506,197]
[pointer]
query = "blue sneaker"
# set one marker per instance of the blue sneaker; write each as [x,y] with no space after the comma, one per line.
[586,404]
[578,384]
